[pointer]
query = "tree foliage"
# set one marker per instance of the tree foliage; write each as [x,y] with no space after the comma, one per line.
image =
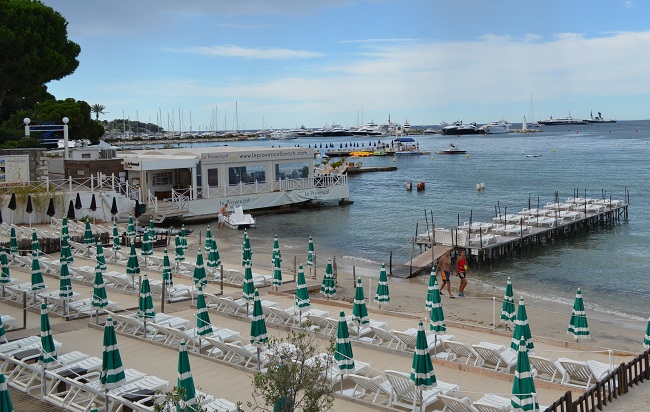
[35,50]
[80,126]
[294,378]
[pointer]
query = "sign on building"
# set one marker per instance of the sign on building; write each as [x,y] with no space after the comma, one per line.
[14,170]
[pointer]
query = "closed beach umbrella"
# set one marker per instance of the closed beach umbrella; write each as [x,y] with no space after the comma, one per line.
[152,228]
[328,287]
[180,253]
[3,334]
[343,348]
[276,250]
[65,285]
[422,373]
[508,307]
[112,373]
[213,256]
[382,295]
[5,276]
[12,202]
[302,294]
[145,303]
[203,325]
[48,350]
[101,259]
[29,209]
[133,265]
[523,387]
[66,253]
[50,208]
[359,310]
[5,399]
[522,328]
[137,210]
[199,276]
[578,324]
[646,340]
[116,240]
[146,247]
[89,239]
[37,277]
[277,263]
[77,202]
[185,380]
[36,246]
[428,303]
[13,241]
[184,237]
[212,259]
[99,300]
[167,270]
[437,317]
[248,287]
[130,227]
[93,203]
[310,253]
[114,210]
[71,213]
[258,327]
[64,228]
[246,251]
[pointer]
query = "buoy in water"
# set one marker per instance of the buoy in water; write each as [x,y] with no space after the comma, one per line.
[409,186]
[432,157]
[480,186]
[420,186]
[394,160]
[467,155]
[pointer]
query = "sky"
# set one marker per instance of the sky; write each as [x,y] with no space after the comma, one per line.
[262,64]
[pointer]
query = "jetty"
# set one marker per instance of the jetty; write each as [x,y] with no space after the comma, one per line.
[369,169]
[514,233]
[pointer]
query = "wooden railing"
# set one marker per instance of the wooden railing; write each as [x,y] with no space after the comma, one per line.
[605,391]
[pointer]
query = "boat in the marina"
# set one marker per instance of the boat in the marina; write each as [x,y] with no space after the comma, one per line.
[500,127]
[239,220]
[406,127]
[369,129]
[598,119]
[460,128]
[561,121]
[163,231]
[452,150]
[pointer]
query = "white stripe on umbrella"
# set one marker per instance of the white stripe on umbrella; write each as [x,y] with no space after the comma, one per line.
[508,307]
[578,324]
[382,295]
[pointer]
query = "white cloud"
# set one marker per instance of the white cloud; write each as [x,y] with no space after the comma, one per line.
[248,53]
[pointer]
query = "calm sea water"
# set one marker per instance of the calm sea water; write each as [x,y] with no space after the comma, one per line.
[610,264]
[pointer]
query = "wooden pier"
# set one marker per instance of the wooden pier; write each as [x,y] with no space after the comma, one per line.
[486,242]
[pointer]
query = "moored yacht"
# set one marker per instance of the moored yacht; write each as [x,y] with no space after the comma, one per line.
[369,129]
[598,119]
[561,121]
[499,127]
[460,128]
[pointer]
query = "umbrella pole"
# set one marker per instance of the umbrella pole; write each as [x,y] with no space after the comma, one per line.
[435,346]
[259,367]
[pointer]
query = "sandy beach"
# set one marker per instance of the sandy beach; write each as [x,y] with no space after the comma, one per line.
[470,319]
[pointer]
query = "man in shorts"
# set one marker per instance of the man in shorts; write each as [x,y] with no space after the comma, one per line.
[444,267]
[462,273]
[223,214]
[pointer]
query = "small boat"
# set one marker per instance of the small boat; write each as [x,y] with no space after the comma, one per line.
[452,149]
[238,220]
[162,231]
[533,155]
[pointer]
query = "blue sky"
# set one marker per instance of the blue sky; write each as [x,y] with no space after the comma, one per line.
[283,63]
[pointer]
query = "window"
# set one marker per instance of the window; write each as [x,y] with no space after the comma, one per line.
[291,171]
[213,177]
[246,174]
[162,178]
[81,172]
[85,155]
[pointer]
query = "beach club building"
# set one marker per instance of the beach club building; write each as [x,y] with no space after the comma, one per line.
[193,183]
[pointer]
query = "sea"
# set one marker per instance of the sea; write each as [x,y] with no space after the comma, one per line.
[610,264]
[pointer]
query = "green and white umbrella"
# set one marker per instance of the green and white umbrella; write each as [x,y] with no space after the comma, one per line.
[130,227]
[99,300]
[116,238]
[3,333]
[524,396]
[37,277]
[428,303]
[310,253]
[522,328]
[248,287]
[276,250]
[65,284]
[48,350]
[93,408]
[101,259]
[302,294]
[185,380]
[328,287]
[66,253]
[211,252]
[246,251]
[508,307]
[152,228]
[133,265]
[180,252]
[578,324]
[5,399]
[36,246]
[184,238]
[203,325]
[359,310]
[382,295]
[437,316]
[89,239]
[64,228]
[13,241]
[146,247]
[145,303]
[258,327]
[112,373]
[422,373]
[199,277]
[167,270]
[276,260]
[343,348]
[646,339]
[5,276]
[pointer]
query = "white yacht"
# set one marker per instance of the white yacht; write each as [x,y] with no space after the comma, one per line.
[499,127]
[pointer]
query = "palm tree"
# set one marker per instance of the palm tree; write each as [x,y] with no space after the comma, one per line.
[97,109]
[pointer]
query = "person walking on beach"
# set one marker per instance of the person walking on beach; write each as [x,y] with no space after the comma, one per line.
[461,264]
[223,214]
[444,267]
